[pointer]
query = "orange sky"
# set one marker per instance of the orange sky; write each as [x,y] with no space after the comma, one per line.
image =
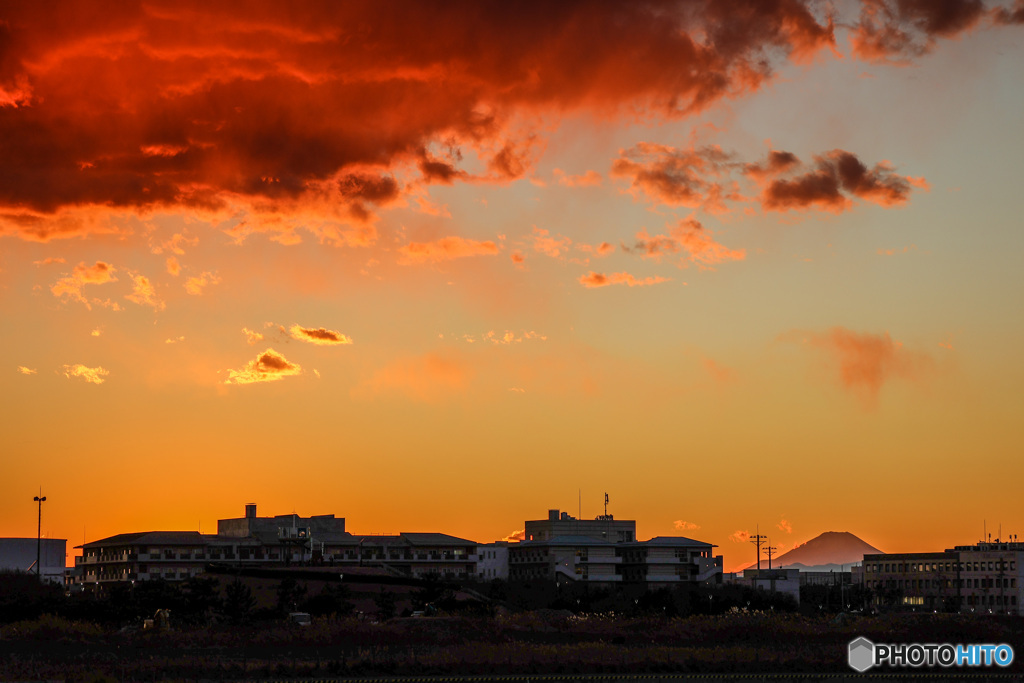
[444,267]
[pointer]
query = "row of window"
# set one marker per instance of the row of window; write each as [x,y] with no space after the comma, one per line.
[992,565]
[943,583]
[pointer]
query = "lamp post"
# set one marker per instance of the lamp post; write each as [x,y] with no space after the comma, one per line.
[39,533]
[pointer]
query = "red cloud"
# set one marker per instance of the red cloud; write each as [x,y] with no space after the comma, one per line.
[296,118]
[673,176]
[424,378]
[592,280]
[834,174]
[893,30]
[688,236]
[445,249]
[82,275]
[865,362]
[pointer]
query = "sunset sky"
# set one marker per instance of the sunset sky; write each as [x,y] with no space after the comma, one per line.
[443,266]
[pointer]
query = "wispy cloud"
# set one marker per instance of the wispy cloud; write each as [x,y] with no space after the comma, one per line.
[445,249]
[681,525]
[426,378]
[144,293]
[739,536]
[71,286]
[592,280]
[688,237]
[26,371]
[95,375]
[516,536]
[196,284]
[251,336]
[865,361]
[784,525]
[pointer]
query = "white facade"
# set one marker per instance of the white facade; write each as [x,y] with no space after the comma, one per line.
[492,561]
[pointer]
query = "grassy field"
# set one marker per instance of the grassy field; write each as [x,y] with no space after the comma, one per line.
[538,642]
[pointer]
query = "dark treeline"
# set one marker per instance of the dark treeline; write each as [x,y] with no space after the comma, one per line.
[225,599]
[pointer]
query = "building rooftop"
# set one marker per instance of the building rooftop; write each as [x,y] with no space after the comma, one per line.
[674,542]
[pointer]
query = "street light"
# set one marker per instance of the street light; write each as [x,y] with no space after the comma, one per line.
[39,533]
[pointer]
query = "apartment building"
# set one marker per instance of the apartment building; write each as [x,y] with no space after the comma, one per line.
[603,528]
[606,552]
[985,578]
[269,541]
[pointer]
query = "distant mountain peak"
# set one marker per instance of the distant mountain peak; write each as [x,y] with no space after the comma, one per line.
[828,548]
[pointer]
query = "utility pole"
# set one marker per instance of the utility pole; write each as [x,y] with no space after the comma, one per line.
[756,539]
[770,551]
[39,533]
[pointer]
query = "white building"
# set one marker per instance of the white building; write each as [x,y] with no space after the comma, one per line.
[19,555]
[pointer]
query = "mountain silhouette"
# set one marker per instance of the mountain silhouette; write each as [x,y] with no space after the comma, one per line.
[829,550]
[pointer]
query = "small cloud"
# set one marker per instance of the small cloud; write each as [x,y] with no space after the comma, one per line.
[893,252]
[82,275]
[174,340]
[195,285]
[143,293]
[90,375]
[47,261]
[784,525]
[544,243]
[174,245]
[516,536]
[173,267]
[681,525]
[720,373]
[866,361]
[445,249]
[592,280]
[252,337]
[96,332]
[517,390]
[517,258]
[426,378]
[588,179]
[739,536]
[269,366]
[316,372]
[319,335]
[26,371]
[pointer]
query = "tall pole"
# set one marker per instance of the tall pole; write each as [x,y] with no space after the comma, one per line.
[770,550]
[39,533]
[756,539]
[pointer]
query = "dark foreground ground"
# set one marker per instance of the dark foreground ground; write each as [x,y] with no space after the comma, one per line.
[538,645]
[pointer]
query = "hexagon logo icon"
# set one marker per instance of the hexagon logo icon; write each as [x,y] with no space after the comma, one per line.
[862,654]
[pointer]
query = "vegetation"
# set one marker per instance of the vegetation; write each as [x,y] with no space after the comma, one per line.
[525,629]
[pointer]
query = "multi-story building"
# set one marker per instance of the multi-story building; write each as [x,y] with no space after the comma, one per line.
[412,554]
[985,578]
[605,551]
[280,540]
[603,528]
[492,561]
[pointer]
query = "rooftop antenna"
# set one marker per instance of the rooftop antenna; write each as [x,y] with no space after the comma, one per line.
[606,504]
[756,540]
